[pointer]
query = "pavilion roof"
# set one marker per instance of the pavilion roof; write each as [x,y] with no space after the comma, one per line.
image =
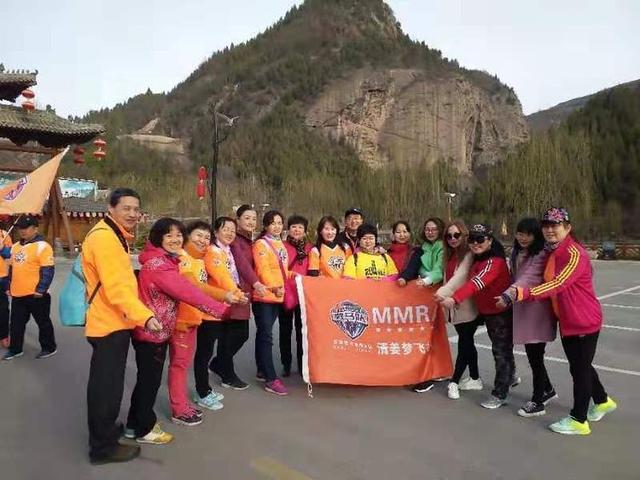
[12,83]
[45,127]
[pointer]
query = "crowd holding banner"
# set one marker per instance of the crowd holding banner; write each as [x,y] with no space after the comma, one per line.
[363,313]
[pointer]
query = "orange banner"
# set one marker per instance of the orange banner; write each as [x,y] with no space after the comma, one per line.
[366,332]
[29,193]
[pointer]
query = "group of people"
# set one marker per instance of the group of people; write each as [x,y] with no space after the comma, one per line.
[198,285]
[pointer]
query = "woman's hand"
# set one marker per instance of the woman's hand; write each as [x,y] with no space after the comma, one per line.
[401,282]
[260,289]
[500,303]
[448,303]
[153,325]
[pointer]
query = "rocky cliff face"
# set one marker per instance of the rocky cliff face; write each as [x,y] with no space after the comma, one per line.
[406,117]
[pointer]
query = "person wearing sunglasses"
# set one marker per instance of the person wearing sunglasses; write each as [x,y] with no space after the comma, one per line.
[533,322]
[457,261]
[568,277]
[488,278]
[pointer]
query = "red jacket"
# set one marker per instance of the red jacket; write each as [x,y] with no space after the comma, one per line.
[569,283]
[488,278]
[400,253]
[294,264]
[161,287]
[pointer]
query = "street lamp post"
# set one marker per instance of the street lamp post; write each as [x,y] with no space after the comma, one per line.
[450,196]
[216,141]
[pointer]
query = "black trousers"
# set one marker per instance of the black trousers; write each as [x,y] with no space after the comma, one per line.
[580,350]
[467,353]
[287,319]
[22,308]
[500,330]
[105,389]
[208,333]
[4,314]
[150,363]
[234,335]
[541,382]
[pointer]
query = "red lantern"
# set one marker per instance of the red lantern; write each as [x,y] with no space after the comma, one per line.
[27,93]
[100,153]
[29,105]
[202,173]
[200,189]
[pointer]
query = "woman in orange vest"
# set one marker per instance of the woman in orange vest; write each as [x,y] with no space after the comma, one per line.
[271,264]
[328,257]
[223,273]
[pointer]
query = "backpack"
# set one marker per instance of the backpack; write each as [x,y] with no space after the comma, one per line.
[73,303]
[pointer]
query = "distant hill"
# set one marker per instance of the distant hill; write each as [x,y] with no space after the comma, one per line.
[554,116]
[335,90]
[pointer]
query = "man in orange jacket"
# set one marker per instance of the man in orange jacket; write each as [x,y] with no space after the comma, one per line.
[111,316]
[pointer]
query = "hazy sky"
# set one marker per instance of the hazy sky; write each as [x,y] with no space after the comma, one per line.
[96,53]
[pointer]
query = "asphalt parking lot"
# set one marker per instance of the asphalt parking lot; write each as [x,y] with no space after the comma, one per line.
[343,432]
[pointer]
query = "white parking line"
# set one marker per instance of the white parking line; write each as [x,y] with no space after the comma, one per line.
[481,330]
[620,292]
[617,327]
[562,360]
[630,307]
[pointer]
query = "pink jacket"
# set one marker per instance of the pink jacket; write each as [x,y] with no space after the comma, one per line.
[569,284]
[533,322]
[161,287]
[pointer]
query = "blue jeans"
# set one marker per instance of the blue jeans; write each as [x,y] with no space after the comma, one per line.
[265,315]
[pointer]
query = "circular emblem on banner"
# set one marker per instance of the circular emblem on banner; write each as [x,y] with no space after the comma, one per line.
[350,317]
[15,192]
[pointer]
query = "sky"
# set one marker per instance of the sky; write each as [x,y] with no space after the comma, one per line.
[96,53]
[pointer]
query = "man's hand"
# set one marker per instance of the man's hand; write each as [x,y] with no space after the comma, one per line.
[37,295]
[401,282]
[153,325]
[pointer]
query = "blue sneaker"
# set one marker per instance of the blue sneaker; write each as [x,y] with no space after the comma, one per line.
[210,402]
[10,355]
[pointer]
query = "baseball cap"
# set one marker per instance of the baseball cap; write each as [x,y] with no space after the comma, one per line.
[555,215]
[353,211]
[26,221]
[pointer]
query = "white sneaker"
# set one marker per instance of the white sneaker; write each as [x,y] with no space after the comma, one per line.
[452,391]
[470,384]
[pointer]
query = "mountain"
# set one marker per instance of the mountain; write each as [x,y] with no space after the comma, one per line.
[334,91]
[590,163]
[554,116]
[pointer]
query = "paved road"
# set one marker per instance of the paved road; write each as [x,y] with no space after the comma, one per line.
[342,433]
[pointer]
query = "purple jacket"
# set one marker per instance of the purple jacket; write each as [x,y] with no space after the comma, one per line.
[161,287]
[243,256]
[533,322]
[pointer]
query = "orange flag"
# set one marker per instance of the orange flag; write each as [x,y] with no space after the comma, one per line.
[29,193]
[366,332]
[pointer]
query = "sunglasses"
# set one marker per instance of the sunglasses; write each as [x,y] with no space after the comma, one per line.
[477,238]
[451,236]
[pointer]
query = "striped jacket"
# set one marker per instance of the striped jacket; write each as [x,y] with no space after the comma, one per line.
[488,278]
[569,284]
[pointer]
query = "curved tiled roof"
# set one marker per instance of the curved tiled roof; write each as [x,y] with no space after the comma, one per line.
[11,84]
[44,127]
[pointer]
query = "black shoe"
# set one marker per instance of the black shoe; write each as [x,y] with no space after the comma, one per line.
[423,387]
[46,354]
[532,409]
[236,384]
[548,396]
[121,453]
